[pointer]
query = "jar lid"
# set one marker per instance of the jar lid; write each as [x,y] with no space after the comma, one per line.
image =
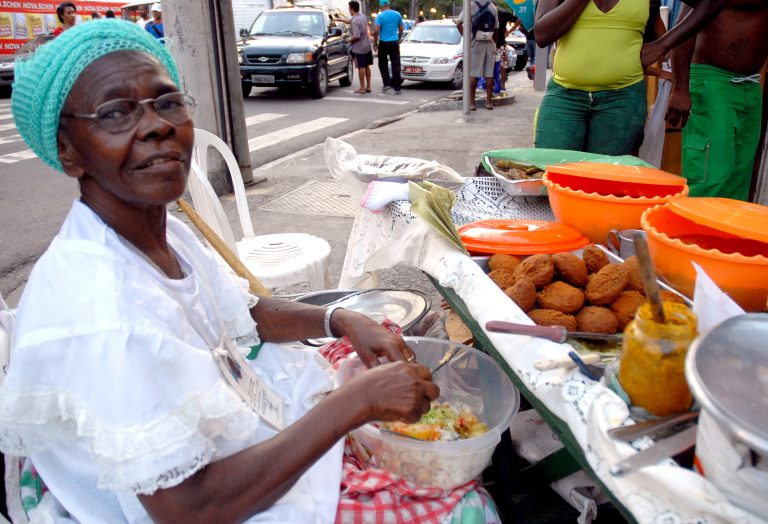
[520,237]
[742,219]
[618,173]
[727,371]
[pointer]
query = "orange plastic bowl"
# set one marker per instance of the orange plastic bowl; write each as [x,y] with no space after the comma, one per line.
[675,241]
[595,214]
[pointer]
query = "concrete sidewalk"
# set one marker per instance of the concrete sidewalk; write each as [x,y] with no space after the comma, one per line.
[299,195]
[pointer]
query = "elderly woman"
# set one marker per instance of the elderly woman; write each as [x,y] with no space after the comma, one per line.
[128,390]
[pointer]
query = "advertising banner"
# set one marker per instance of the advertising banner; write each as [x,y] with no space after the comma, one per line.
[525,10]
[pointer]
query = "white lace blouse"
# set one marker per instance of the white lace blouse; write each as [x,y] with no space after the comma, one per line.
[112,393]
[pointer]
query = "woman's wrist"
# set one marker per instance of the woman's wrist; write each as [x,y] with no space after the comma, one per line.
[328,326]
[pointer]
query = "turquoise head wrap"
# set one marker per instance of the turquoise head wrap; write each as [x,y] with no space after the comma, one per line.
[44,80]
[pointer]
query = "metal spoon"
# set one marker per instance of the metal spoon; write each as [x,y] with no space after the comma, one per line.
[650,427]
[648,275]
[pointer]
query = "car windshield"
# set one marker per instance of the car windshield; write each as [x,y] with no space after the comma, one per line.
[434,34]
[289,24]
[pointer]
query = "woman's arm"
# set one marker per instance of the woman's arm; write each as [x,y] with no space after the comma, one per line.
[554,18]
[248,482]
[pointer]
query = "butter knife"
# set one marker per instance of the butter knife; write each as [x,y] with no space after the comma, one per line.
[554,333]
[662,449]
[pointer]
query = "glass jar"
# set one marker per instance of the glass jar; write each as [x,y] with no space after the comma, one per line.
[652,365]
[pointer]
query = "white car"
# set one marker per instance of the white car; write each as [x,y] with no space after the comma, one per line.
[433,52]
[518,56]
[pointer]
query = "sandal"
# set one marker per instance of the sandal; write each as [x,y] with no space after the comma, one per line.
[361,92]
[489,107]
[473,108]
[368,90]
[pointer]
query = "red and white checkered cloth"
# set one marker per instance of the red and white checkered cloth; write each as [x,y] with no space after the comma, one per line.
[371,495]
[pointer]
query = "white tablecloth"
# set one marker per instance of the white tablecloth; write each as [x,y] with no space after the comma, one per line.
[658,494]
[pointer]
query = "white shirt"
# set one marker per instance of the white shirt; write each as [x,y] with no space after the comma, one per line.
[112,393]
[142,23]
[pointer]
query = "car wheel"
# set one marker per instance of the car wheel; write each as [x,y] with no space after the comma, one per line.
[320,84]
[246,89]
[458,77]
[346,80]
[522,60]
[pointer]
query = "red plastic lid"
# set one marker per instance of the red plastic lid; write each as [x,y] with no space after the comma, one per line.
[520,237]
[742,219]
[618,173]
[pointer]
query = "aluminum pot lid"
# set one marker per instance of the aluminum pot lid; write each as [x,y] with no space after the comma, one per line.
[727,371]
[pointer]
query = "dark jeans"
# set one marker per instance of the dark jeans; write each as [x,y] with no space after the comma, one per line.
[391,51]
[530,47]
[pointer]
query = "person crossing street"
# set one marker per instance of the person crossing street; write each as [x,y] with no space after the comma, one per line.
[388,30]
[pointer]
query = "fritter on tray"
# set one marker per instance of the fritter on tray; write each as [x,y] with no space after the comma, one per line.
[570,269]
[561,297]
[633,270]
[626,305]
[523,293]
[503,278]
[607,284]
[539,268]
[597,320]
[550,317]
[502,261]
[594,259]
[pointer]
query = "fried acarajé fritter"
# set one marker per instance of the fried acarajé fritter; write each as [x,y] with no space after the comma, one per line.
[597,320]
[625,306]
[539,268]
[633,271]
[570,269]
[607,284]
[503,278]
[502,261]
[550,317]
[561,297]
[523,293]
[594,259]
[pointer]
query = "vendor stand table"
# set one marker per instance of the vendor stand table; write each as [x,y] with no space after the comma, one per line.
[579,411]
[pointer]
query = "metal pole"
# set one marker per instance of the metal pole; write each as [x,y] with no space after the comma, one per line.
[542,61]
[466,82]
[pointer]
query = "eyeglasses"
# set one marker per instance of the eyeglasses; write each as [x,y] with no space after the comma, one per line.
[118,116]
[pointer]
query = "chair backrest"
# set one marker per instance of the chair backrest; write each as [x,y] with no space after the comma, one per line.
[6,337]
[203,141]
[207,204]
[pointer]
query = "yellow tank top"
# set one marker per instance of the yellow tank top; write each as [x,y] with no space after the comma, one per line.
[602,50]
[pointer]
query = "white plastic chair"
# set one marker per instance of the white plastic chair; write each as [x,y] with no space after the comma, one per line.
[276,260]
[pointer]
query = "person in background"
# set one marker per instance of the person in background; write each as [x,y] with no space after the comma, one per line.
[507,24]
[596,100]
[717,99]
[143,16]
[95,15]
[155,27]
[67,13]
[110,14]
[361,47]
[419,19]
[483,51]
[387,32]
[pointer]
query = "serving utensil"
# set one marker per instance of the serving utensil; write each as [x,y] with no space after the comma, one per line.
[662,449]
[650,427]
[554,333]
[648,276]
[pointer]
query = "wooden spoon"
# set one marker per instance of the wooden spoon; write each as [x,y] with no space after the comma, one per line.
[648,276]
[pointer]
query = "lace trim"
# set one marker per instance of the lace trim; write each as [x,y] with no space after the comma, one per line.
[140,458]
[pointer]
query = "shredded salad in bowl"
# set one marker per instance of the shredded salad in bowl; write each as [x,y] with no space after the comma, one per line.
[443,422]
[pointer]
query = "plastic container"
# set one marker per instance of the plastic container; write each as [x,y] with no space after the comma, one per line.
[520,237]
[724,237]
[596,198]
[471,378]
[652,365]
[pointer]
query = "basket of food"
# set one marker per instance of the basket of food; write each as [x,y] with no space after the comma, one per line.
[454,441]
[520,171]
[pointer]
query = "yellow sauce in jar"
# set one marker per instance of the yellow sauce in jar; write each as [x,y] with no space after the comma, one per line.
[652,366]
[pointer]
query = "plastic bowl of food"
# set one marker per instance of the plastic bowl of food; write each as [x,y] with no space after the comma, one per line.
[470,380]
[738,265]
[595,198]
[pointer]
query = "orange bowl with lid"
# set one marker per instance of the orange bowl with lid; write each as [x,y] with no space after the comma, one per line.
[727,238]
[595,198]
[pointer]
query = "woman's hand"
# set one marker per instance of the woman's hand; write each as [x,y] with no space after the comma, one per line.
[370,339]
[394,391]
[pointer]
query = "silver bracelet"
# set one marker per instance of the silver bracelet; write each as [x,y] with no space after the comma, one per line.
[327,321]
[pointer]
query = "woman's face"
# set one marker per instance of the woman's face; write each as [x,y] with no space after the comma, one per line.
[69,16]
[144,166]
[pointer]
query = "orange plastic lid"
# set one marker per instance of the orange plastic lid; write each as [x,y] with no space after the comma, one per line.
[520,237]
[742,219]
[618,173]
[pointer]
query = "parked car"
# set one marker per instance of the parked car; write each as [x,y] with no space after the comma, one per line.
[518,56]
[296,46]
[7,62]
[433,52]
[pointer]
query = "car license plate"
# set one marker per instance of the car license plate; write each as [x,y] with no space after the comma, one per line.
[263,79]
[413,69]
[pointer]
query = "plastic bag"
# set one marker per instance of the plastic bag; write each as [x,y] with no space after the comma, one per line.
[655,129]
[357,171]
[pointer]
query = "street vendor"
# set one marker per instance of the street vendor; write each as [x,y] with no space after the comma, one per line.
[123,390]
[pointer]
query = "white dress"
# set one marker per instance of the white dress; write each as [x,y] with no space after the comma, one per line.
[112,393]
